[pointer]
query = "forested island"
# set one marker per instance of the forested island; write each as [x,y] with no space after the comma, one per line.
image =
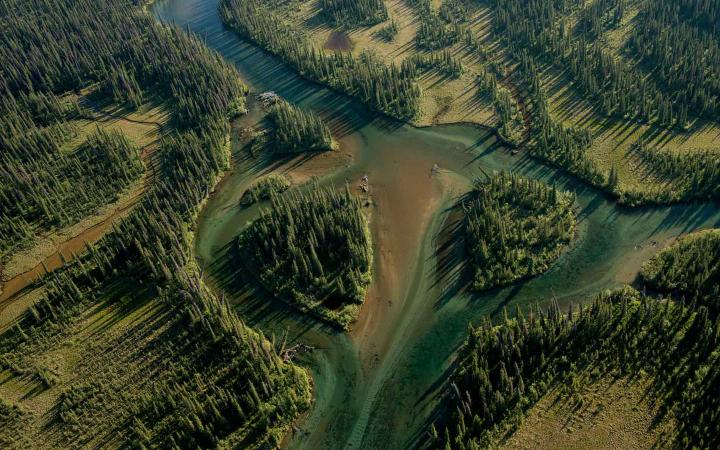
[313,249]
[299,131]
[515,228]
[689,268]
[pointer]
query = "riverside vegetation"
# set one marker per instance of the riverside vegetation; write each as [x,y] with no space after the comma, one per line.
[199,377]
[298,131]
[506,367]
[690,269]
[629,89]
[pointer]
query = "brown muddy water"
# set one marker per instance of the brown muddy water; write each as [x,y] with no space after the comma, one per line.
[377,387]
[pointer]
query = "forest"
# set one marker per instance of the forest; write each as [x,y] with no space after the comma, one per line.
[297,130]
[689,269]
[515,228]
[387,89]
[312,248]
[505,367]
[212,378]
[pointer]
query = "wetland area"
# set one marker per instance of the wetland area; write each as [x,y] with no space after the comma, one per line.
[376,386]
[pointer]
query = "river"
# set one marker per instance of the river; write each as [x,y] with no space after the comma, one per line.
[377,386]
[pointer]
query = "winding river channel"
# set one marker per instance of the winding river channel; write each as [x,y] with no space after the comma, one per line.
[377,386]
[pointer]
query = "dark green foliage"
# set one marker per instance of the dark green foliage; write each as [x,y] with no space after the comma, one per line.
[686,175]
[442,61]
[46,186]
[384,88]
[389,31]
[435,34]
[614,86]
[351,13]
[313,249]
[563,146]
[689,268]
[506,368]
[680,44]
[212,377]
[515,228]
[265,188]
[511,119]
[73,44]
[601,15]
[39,57]
[454,11]
[122,86]
[297,130]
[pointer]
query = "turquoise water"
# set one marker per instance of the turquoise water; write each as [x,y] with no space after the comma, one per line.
[377,386]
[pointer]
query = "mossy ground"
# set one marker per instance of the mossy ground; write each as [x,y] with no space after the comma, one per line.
[604,414]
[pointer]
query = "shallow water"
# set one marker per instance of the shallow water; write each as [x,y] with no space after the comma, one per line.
[377,386]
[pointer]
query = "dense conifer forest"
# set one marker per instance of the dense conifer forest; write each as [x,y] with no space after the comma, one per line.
[506,367]
[297,130]
[212,379]
[354,12]
[515,228]
[313,248]
[689,269]
[388,89]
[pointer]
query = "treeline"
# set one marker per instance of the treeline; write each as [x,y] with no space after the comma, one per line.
[350,13]
[691,175]
[515,228]
[512,125]
[226,382]
[690,269]
[313,249]
[385,88]
[297,130]
[539,27]
[682,51]
[506,368]
[45,186]
[264,188]
[563,146]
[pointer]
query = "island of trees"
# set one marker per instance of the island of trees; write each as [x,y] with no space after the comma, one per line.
[297,130]
[515,228]
[264,188]
[312,249]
